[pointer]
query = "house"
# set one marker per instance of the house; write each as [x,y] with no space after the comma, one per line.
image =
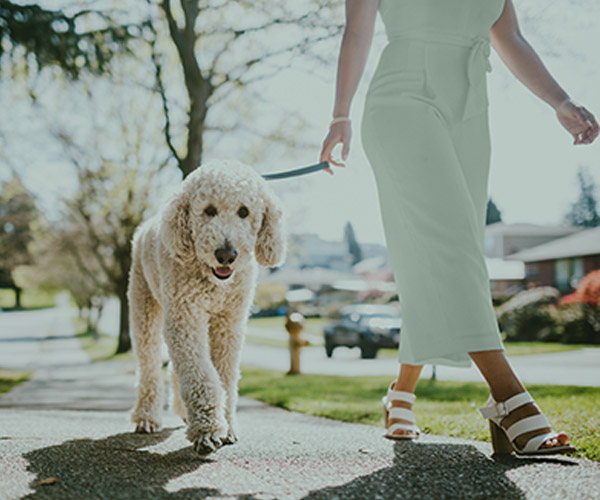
[562,262]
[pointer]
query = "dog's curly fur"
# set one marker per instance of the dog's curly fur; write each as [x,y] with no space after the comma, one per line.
[173,288]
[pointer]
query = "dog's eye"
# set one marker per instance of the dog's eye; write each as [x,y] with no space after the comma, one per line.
[243,212]
[210,210]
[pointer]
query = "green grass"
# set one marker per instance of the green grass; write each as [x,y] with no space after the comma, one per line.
[30,299]
[517,348]
[312,326]
[102,349]
[11,378]
[512,348]
[258,340]
[525,348]
[444,408]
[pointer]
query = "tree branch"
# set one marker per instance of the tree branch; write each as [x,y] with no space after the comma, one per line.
[163,96]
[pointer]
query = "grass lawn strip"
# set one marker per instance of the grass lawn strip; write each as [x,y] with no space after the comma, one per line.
[442,407]
[11,378]
[314,327]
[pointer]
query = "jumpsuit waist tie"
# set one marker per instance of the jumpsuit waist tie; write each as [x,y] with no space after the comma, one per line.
[478,63]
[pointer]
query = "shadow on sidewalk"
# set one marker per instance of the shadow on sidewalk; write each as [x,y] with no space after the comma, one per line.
[448,471]
[115,468]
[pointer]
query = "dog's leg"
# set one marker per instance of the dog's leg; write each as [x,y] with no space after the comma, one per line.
[176,401]
[145,321]
[226,338]
[186,335]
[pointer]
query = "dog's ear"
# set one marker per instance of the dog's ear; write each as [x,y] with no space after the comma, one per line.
[174,229]
[271,242]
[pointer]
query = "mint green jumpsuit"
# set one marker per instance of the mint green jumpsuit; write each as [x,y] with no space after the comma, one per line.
[425,132]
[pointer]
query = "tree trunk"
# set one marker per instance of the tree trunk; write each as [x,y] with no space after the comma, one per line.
[17,297]
[124,344]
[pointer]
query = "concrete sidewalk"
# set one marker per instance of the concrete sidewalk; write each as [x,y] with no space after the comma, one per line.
[66,434]
[280,455]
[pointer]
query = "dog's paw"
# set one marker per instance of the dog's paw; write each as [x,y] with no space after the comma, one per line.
[208,443]
[231,438]
[146,426]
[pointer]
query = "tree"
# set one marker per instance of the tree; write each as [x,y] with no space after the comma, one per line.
[118,160]
[353,246]
[61,260]
[58,38]
[584,212]
[17,213]
[493,214]
[223,47]
[204,57]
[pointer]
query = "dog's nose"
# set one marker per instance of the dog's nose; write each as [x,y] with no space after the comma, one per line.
[225,256]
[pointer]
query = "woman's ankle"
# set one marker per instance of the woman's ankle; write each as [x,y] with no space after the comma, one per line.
[503,392]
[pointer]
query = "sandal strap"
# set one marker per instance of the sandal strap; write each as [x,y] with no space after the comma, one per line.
[527,424]
[403,413]
[392,395]
[405,427]
[503,408]
[535,442]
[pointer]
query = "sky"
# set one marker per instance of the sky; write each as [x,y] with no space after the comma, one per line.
[533,166]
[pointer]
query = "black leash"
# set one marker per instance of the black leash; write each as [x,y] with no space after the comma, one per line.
[298,171]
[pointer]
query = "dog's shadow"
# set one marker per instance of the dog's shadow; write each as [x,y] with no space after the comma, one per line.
[115,467]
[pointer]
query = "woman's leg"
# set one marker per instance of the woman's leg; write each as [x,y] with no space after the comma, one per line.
[407,381]
[504,383]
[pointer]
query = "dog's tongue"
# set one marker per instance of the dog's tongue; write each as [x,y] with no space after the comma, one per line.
[223,271]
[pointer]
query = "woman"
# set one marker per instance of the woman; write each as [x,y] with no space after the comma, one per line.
[425,133]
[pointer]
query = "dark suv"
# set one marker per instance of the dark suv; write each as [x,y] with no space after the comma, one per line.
[368,326]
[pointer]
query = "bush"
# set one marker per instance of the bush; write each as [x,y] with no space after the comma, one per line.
[588,290]
[530,323]
[529,315]
[578,323]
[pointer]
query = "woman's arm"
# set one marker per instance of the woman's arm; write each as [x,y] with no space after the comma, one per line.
[522,60]
[356,43]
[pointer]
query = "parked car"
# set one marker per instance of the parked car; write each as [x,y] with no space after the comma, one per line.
[367,326]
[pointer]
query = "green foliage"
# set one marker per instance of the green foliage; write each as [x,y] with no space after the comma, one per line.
[529,323]
[532,315]
[444,408]
[577,323]
[32,298]
[584,212]
[11,378]
[17,215]
[100,348]
[56,38]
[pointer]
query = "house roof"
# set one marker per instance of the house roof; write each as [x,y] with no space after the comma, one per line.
[584,242]
[526,229]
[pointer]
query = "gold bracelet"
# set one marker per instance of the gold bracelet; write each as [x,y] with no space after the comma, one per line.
[339,119]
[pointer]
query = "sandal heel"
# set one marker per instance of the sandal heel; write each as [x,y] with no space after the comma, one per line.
[502,438]
[500,442]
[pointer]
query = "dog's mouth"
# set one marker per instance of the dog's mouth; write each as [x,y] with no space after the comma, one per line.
[222,272]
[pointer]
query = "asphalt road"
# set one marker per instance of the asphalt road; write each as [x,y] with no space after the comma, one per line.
[580,367]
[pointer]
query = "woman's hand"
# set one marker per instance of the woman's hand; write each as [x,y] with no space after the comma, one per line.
[578,121]
[338,132]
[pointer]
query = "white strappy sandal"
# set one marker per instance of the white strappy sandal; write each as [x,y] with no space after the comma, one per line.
[503,439]
[397,412]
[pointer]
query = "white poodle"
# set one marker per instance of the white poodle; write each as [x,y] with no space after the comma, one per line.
[193,276]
